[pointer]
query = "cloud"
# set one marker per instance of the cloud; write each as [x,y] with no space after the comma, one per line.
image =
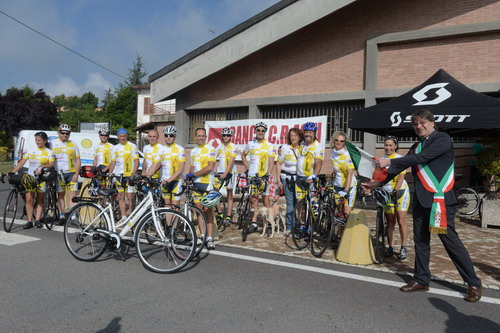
[94,83]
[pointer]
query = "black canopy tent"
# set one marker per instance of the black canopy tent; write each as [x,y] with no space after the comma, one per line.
[459,111]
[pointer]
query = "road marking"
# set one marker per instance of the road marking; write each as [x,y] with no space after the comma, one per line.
[9,239]
[346,275]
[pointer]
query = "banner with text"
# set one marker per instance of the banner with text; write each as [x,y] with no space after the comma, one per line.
[277,130]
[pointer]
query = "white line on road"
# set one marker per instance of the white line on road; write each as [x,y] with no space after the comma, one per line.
[345,275]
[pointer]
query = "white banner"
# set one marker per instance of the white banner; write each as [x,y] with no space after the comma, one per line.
[277,129]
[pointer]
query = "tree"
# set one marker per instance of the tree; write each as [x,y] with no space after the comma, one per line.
[136,73]
[108,97]
[25,109]
[122,111]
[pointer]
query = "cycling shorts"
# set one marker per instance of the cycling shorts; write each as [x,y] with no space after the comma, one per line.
[66,183]
[199,190]
[300,187]
[122,185]
[172,191]
[230,185]
[402,204]
[261,188]
[351,198]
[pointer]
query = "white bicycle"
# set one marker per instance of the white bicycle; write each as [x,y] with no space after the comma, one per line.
[165,239]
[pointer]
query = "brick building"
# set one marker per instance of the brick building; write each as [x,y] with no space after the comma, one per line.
[302,58]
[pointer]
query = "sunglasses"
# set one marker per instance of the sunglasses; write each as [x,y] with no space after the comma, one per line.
[226,135]
[64,133]
[170,135]
[341,141]
[260,131]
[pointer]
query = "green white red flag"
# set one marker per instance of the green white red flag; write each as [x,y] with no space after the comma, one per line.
[365,163]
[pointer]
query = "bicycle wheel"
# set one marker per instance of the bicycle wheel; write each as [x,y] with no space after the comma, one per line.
[242,209]
[468,201]
[194,214]
[80,236]
[321,231]
[380,236]
[167,251]
[300,233]
[10,210]
[50,209]
[246,219]
[221,214]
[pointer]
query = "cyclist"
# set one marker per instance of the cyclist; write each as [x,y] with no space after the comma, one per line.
[171,164]
[152,151]
[102,153]
[286,170]
[125,162]
[226,154]
[37,158]
[202,175]
[68,162]
[344,182]
[400,203]
[309,159]
[261,154]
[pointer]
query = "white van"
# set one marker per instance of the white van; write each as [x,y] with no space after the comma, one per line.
[86,143]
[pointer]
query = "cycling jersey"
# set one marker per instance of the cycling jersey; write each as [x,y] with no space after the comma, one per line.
[200,157]
[66,154]
[307,156]
[151,153]
[103,153]
[170,158]
[259,153]
[342,163]
[224,155]
[38,157]
[288,157]
[389,187]
[124,156]
[403,194]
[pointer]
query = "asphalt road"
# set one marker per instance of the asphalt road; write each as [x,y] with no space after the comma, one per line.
[44,289]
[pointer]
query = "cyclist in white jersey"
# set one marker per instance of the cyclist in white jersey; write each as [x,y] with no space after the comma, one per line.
[261,154]
[102,153]
[226,154]
[152,152]
[37,158]
[309,159]
[68,163]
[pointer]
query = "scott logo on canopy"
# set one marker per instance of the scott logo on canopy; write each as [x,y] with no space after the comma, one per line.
[396,119]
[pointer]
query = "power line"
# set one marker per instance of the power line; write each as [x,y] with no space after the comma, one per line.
[62,45]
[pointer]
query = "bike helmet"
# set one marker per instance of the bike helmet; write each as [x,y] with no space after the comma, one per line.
[104,131]
[170,130]
[310,126]
[381,197]
[227,131]
[261,124]
[29,183]
[211,199]
[64,127]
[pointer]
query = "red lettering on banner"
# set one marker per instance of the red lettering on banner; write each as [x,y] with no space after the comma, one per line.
[272,134]
[284,132]
[237,139]
[246,133]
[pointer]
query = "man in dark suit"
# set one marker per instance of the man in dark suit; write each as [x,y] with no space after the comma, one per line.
[434,203]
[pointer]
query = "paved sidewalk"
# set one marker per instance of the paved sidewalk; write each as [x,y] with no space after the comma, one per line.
[483,246]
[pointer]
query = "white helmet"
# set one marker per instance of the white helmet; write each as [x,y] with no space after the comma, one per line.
[211,199]
[227,131]
[104,131]
[170,130]
[64,127]
[261,124]
[381,197]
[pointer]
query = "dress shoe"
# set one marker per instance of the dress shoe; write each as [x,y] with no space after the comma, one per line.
[412,287]
[473,294]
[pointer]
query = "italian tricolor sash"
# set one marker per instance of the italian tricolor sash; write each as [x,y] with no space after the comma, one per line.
[438,222]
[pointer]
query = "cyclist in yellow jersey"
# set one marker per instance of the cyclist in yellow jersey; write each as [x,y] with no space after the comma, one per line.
[261,154]
[171,165]
[102,153]
[201,173]
[226,153]
[309,159]
[37,158]
[68,163]
[151,152]
[345,181]
[401,194]
[124,163]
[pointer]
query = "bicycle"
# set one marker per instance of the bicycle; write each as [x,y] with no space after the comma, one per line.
[382,200]
[10,211]
[220,208]
[244,206]
[164,238]
[471,202]
[260,183]
[50,206]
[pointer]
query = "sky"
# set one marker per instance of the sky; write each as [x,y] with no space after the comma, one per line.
[109,32]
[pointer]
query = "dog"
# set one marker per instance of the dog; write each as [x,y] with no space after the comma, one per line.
[275,217]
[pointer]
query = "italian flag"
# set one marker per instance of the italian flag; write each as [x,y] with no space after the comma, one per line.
[365,163]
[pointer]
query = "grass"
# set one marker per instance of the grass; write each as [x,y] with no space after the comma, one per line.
[6,166]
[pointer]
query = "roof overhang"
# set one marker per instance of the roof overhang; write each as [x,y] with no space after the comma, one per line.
[263,29]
